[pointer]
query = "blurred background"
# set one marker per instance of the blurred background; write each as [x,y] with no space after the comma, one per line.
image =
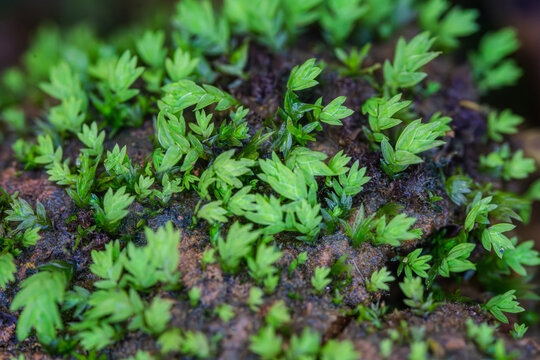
[20,19]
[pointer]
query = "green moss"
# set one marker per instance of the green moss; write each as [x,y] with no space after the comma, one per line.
[259,184]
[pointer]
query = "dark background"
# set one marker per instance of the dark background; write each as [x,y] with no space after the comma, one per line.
[19,19]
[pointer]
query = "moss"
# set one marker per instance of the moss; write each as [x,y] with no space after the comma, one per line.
[256,77]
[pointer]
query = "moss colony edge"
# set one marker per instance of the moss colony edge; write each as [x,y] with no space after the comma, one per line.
[194,190]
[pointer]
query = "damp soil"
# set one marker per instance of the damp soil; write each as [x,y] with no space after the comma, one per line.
[262,93]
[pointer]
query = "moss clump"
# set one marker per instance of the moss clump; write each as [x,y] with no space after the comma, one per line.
[228,187]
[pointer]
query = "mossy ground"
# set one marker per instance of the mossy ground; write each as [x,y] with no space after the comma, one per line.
[445,329]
